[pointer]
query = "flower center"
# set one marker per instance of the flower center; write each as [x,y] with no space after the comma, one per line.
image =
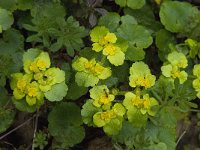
[110,49]
[41,64]
[32,92]
[108,115]
[33,67]
[111,38]
[104,99]
[21,84]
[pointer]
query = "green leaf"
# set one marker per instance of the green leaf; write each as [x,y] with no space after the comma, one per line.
[135,54]
[110,82]
[86,80]
[88,53]
[121,77]
[148,20]
[8,4]
[6,117]
[65,124]
[113,127]
[136,118]
[75,91]
[31,54]
[183,16]
[4,97]
[126,133]
[70,33]
[57,92]
[121,3]
[11,48]
[22,105]
[66,67]
[110,20]
[44,20]
[134,4]
[136,35]
[6,19]
[24,4]
[127,19]
[88,111]
[163,41]
[163,89]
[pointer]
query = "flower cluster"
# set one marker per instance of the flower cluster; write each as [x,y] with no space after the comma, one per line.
[111,120]
[102,112]
[172,69]
[89,72]
[108,42]
[101,97]
[134,102]
[196,82]
[140,75]
[38,78]
[193,47]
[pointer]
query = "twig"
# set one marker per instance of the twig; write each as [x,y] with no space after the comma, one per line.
[21,125]
[184,132]
[35,130]
[9,144]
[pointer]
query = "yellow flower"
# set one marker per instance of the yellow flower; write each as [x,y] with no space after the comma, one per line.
[108,115]
[110,49]
[33,67]
[101,97]
[144,103]
[110,38]
[21,84]
[41,64]
[32,91]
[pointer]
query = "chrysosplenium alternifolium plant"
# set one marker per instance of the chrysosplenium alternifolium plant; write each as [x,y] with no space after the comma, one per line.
[102,110]
[172,69]
[38,81]
[112,46]
[89,72]
[127,75]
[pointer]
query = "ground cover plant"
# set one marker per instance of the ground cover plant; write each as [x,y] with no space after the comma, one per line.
[99,74]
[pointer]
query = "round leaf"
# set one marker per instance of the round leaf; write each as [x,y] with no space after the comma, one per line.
[57,92]
[6,19]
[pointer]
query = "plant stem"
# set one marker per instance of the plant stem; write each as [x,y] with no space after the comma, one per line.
[35,130]
[180,137]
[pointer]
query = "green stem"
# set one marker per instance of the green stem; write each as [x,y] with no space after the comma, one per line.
[35,130]
[192,76]
[194,110]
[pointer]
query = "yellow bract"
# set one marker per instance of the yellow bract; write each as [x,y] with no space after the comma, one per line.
[111,38]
